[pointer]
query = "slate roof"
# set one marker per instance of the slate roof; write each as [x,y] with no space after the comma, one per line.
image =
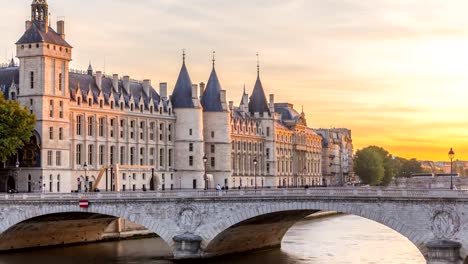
[182,95]
[86,82]
[287,113]
[8,76]
[211,98]
[34,34]
[258,102]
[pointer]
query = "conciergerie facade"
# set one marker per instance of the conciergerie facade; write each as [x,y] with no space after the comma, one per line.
[88,122]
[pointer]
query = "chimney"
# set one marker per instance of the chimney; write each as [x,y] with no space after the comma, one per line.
[194,91]
[163,90]
[146,86]
[28,24]
[231,105]
[115,82]
[222,95]
[99,79]
[61,28]
[272,99]
[126,84]
[202,88]
[245,99]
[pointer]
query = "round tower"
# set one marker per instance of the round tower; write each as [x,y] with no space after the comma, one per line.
[189,145]
[217,131]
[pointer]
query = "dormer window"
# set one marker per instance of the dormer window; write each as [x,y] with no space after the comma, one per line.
[13,96]
[131,107]
[112,105]
[90,102]
[151,109]
[101,104]
[141,108]
[121,106]
[78,101]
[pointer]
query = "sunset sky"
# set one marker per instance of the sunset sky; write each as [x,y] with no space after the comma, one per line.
[393,71]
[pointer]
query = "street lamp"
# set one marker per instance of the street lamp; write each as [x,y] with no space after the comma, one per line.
[451,155]
[255,170]
[16,173]
[85,167]
[205,177]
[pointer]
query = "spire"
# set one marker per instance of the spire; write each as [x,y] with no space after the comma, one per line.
[182,94]
[258,66]
[12,63]
[90,69]
[214,58]
[258,102]
[183,56]
[211,98]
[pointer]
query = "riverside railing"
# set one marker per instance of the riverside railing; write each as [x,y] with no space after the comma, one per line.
[266,193]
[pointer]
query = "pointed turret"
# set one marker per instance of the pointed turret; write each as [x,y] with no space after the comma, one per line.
[211,98]
[90,69]
[12,63]
[182,95]
[258,102]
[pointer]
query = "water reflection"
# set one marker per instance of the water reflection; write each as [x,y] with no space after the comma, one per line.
[337,240]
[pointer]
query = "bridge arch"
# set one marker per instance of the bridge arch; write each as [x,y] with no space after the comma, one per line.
[149,221]
[279,218]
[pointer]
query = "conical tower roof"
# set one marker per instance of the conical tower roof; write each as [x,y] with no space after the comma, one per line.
[182,95]
[211,99]
[258,102]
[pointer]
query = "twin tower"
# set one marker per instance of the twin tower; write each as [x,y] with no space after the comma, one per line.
[202,132]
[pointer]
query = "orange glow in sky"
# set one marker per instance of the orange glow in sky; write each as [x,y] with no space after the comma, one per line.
[395,72]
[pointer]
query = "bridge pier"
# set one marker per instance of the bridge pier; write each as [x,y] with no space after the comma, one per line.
[443,252]
[187,246]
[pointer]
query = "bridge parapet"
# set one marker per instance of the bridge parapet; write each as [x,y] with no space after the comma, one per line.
[317,192]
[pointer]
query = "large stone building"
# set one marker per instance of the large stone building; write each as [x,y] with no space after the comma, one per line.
[90,125]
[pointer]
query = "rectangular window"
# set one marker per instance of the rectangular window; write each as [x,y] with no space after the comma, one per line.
[213,162]
[51,133]
[60,82]
[212,134]
[49,158]
[102,122]
[101,155]
[31,79]
[132,128]
[111,156]
[79,123]
[142,156]
[161,157]
[191,161]
[122,155]
[191,147]
[90,154]
[61,109]
[268,168]
[212,148]
[132,156]
[58,158]
[169,157]
[51,108]
[90,126]
[78,154]
[190,132]
[268,131]
[60,133]
[267,153]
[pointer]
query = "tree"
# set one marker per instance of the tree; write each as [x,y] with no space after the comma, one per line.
[16,127]
[409,167]
[389,163]
[369,166]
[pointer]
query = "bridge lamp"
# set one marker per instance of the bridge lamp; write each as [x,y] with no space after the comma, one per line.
[85,167]
[205,177]
[451,155]
[255,174]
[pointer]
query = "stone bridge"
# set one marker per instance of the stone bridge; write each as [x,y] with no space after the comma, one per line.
[202,224]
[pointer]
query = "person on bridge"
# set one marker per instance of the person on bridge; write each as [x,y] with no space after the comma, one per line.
[218,187]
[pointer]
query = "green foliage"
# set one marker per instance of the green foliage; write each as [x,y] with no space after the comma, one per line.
[16,127]
[368,164]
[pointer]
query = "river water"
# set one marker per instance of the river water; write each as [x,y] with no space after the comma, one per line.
[339,240]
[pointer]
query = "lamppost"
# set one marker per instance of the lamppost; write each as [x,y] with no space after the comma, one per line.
[255,170]
[205,177]
[16,173]
[451,155]
[85,167]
